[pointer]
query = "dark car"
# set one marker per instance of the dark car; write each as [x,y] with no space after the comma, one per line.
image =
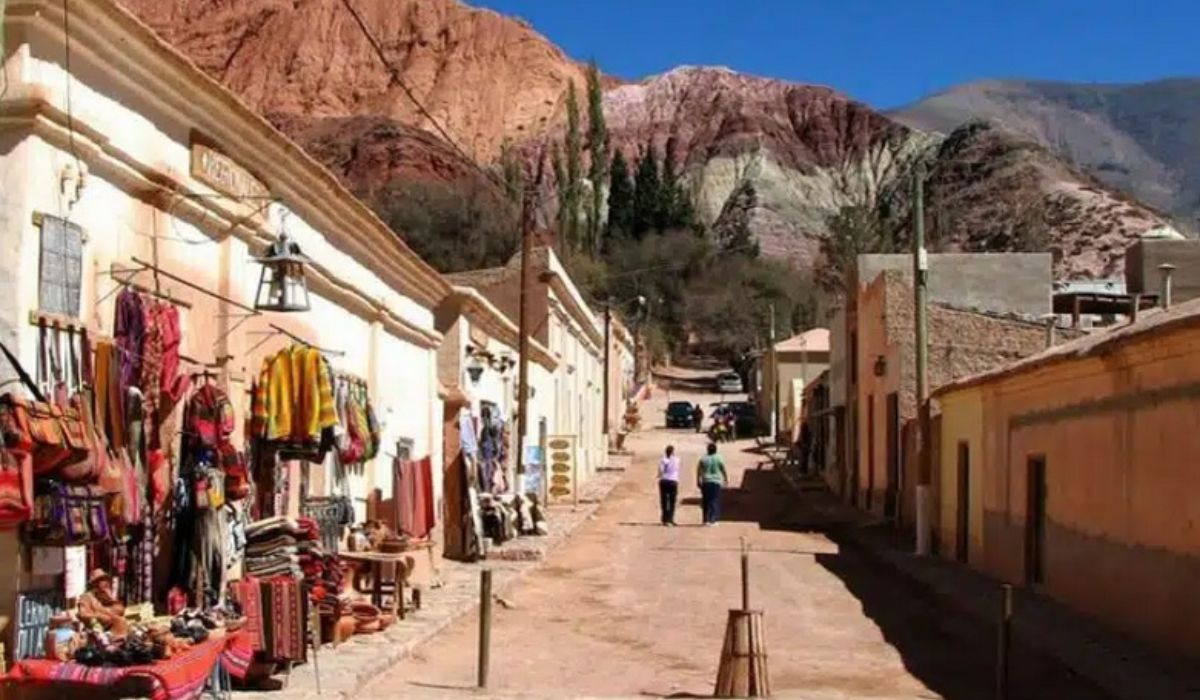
[679,415]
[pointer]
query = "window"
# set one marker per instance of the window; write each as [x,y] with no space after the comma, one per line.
[60,266]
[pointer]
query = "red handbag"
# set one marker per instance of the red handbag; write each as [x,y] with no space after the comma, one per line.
[16,488]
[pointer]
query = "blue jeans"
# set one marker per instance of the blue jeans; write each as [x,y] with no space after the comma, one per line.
[710,501]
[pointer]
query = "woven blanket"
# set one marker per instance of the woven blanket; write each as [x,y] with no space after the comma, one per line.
[182,677]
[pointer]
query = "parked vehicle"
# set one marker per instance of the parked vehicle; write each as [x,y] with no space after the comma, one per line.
[729,383]
[680,414]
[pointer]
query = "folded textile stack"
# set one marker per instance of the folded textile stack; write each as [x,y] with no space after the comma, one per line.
[281,547]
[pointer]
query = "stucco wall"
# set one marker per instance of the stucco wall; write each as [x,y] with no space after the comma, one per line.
[961,422]
[129,141]
[1117,434]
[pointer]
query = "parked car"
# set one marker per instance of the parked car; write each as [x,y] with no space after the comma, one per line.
[729,383]
[680,415]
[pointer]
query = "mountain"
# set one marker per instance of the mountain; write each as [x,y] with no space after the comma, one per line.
[1141,138]
[485,77]
[780,156]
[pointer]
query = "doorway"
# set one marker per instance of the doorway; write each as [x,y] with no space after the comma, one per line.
[963,531]
[893,455]
[870,450]
[1035,520]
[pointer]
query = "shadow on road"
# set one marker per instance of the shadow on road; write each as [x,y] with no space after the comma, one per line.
[951,653]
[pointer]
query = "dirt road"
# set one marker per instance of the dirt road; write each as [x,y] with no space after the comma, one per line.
[631,608]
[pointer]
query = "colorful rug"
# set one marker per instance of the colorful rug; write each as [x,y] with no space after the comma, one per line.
[182,677]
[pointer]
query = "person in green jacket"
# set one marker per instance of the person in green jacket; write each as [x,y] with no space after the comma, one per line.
[710,477]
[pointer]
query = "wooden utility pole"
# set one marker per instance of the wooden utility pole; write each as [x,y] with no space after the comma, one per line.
[528,209]
[920,300]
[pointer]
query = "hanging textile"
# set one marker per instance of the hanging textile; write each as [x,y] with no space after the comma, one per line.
[128,329]
[414,496]
[293,402]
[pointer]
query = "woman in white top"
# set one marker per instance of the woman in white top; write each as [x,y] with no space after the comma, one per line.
[668,484]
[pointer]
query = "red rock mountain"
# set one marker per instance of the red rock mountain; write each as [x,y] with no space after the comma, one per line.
[485,77]
[780,156]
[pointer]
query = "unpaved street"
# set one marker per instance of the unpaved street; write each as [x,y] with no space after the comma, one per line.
[631,608]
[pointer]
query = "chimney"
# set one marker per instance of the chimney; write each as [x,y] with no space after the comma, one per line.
[1166,269]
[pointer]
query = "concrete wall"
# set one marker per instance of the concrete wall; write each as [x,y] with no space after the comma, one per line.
[1116,433]
[1004,282]
[1142,275]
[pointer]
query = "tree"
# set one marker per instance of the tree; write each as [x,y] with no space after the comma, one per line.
[512,172]
[620,199]
[574,170]
[560,181]
[466,225]
[646,193]
[598,153]
[853,231]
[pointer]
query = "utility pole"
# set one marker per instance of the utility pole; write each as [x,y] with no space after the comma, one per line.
[920,293]
[527,226]
[774,378]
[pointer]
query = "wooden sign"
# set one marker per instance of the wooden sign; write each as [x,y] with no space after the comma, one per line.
[562,470]
[223,174]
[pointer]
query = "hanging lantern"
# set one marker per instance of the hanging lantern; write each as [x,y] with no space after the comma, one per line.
[475,369]
[282,286]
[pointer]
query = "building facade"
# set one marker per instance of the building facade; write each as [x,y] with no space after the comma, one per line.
[881,374]
[127,168]
[563,323]
[1073,467]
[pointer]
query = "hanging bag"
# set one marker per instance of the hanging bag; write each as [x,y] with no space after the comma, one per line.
[16,488]
[96,464]
[35,426]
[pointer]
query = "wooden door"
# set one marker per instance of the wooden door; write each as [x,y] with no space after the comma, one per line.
[1035,520]
[963,530]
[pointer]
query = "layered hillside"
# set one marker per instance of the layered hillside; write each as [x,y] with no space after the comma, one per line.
[1142,138]
[779,156]
[484,77]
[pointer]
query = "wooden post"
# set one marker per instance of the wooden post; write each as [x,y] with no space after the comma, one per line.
[528,204]
[745,576]
[485,624]
[1003,631]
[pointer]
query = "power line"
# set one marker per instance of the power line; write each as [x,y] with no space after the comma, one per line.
[490,175]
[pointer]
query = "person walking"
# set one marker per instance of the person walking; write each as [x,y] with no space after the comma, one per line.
[668,484]
[711,477]
[698,417]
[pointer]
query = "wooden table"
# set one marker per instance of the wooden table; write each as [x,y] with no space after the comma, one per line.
[376,561]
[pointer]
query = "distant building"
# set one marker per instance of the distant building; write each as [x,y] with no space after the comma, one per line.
[796,362]
[1073,471]
[984,311]
[1143,272]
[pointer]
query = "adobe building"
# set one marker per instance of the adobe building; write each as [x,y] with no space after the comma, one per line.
[1075,466]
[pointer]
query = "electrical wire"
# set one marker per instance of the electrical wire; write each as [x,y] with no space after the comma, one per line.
[70,110]
[490,175]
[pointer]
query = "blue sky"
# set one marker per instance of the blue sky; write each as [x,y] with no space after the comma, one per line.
[885,52]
